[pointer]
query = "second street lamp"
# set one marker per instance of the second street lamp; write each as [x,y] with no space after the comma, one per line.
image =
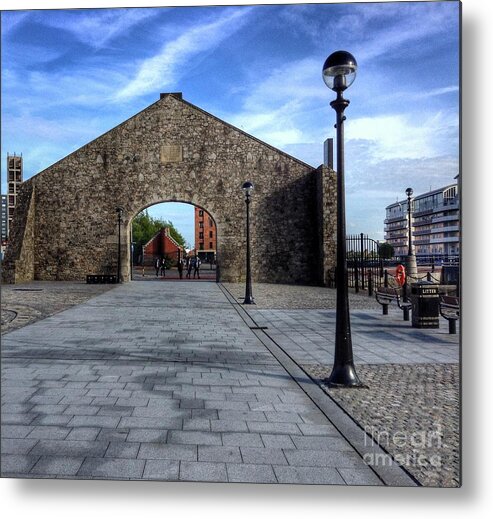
[339,72]
[247,189]
[411,265]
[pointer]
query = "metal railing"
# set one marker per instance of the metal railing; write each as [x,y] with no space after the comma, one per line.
[367,270]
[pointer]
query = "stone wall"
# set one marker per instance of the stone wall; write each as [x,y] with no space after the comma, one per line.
[327,218]
[174,151]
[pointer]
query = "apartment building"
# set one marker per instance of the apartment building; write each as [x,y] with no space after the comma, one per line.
[435,224]
[14,180]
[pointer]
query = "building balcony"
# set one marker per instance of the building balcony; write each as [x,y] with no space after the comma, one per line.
[450,228]
[424,212]
[451,218]
[421,233]
[394,219]
[402,225]
[420,223]
[450,239]
[395,236]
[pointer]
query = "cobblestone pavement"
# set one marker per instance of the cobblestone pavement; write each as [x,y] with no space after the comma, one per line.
[25,303]
[161,381]
[412,411]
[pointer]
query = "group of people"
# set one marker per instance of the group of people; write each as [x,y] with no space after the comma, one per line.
[188,264]
[160,266]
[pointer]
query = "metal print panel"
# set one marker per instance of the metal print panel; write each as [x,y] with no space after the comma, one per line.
[231,244]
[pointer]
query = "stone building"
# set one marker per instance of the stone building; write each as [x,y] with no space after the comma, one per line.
[66,224]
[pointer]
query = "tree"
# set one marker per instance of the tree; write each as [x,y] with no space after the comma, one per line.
[386,251]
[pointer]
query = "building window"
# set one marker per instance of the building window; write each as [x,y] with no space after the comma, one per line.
[201,246]
[201,225]
[210,245]
[201,235]
[210,234]
[210,222]
[201,212]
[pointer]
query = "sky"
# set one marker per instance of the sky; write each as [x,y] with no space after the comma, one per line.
[70,75]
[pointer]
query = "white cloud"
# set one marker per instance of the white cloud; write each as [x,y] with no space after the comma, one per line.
[96,27]
[405,136]
[164,68]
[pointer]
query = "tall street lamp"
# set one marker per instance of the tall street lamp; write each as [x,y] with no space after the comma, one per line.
[339,72]
[119,212]
[411,265]
[247,189]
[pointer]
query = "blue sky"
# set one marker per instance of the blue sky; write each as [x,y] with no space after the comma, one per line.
[70,75]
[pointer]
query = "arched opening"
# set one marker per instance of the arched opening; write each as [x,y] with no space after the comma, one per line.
[171,241]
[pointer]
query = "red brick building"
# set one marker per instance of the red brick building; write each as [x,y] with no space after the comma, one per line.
[205,235]
[160,245]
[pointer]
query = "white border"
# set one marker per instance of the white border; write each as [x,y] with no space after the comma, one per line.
[84,499]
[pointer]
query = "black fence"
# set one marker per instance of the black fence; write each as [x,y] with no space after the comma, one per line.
[367,269]
[365,264]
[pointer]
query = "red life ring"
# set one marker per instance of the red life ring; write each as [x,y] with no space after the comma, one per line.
[400,275]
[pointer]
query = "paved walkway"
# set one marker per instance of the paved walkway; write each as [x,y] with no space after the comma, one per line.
[162,381]
[308,337]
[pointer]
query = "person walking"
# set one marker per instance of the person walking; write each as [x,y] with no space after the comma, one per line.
[189,267]
[157,266]
[180,268]
[196,267]
[163,267]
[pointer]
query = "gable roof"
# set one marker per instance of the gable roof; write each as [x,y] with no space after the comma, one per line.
[177,96]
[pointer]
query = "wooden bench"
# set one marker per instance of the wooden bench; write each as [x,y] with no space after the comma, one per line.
[388,295]
[450,310]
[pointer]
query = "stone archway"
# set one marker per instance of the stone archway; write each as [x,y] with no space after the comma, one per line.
[65,224]
[164,202]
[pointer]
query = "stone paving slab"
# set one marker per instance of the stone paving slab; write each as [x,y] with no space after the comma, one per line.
[308,336]
[161,381]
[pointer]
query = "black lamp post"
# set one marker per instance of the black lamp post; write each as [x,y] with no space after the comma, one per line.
[339,72]
[409,193]
[411,265]
[119,212]
[247,189]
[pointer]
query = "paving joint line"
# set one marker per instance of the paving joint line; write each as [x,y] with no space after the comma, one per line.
[393,474]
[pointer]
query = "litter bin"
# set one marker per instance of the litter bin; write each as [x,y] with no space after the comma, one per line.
[425,305]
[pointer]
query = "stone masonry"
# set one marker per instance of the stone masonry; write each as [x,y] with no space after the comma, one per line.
[66,221]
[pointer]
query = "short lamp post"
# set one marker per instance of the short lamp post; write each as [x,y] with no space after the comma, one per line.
[119,212]
[247,189]
[411,265]
[339,72]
